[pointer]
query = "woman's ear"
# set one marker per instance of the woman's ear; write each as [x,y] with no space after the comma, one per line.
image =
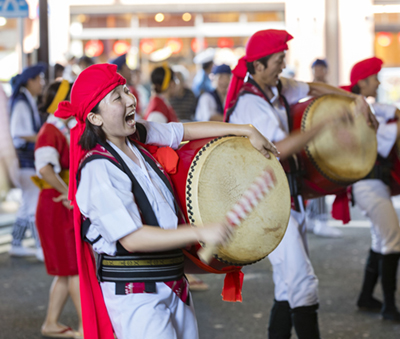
[258,66]
[95,119]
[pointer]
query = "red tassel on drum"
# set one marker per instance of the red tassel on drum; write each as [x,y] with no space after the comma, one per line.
[168,159]
[341,208]
[233,283]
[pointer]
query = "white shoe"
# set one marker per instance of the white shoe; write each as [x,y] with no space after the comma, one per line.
[39,254]
[21,251]
[322,229]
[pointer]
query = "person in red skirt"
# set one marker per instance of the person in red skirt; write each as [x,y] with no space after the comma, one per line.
[54,215]
[159,108]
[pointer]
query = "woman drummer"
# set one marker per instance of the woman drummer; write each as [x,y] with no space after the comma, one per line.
[128,212]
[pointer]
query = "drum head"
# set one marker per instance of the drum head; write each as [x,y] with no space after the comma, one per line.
[219,174]
[343,154]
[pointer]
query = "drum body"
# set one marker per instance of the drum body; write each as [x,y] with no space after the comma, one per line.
[212,176]
[338,156]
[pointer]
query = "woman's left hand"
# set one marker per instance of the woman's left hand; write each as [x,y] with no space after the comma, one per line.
[363,108]
[261,143]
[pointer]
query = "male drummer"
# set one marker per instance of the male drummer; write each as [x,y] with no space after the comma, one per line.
[372,195]
[262,100]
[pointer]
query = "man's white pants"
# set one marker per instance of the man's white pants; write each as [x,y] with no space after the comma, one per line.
[293,274]
[373,198]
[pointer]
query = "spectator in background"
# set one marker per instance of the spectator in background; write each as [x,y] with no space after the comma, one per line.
[25,124]
[69,70]
[84,62]
[211,104]
[201,81]
[159,109]
[183,100]
[320,70]
[8,158]
[58,71]
[126,72]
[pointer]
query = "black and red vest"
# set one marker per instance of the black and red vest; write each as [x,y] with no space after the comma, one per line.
[161,266]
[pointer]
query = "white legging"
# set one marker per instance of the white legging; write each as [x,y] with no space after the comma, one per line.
[293,274]
[372,196]
[27,211]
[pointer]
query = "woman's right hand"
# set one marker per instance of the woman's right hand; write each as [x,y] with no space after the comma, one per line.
[215,233]
[63,198]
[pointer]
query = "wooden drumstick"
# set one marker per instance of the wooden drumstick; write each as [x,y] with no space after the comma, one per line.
[240,211]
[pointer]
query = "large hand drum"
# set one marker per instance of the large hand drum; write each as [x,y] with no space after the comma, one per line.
[340,155]
[212,176]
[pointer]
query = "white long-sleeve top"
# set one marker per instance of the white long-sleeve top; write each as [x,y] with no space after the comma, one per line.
[104,194]
[271,121]
[387,132]
[21,121]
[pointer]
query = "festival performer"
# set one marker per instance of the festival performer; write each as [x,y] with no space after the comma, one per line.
[263,101]
[25,122]
[54,217]
[211,104]
[159,108]
[128,212]
[373,197]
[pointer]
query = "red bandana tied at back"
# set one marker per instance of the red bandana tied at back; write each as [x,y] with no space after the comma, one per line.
[362,70]
[91,86]
[260,44]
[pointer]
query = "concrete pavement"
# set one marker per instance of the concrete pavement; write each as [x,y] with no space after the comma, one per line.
[338,263]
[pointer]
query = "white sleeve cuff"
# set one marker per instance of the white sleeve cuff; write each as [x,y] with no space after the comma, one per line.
[170,134]
[47,155]
[157,117]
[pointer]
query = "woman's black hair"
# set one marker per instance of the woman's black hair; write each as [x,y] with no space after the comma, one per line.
[263,61]
[49,94]
[157,78]
[92,134]
[356,89]
[207,65]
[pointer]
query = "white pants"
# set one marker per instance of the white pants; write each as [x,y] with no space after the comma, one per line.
[27,210]
[293,274]
[373,198]
[316,209]
[160,315]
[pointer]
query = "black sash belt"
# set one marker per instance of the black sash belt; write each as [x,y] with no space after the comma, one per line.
[144,267]
[380,172]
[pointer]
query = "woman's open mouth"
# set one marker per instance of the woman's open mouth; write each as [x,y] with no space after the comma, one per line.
[130,118]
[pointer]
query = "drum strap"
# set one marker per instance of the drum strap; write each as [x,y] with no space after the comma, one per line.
[143,267]
[381,170]
[293,174]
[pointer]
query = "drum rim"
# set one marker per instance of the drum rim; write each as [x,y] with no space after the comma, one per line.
[192,185]
[307,148]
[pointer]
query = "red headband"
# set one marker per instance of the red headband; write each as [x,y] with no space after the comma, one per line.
[260,45]
[362,70]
